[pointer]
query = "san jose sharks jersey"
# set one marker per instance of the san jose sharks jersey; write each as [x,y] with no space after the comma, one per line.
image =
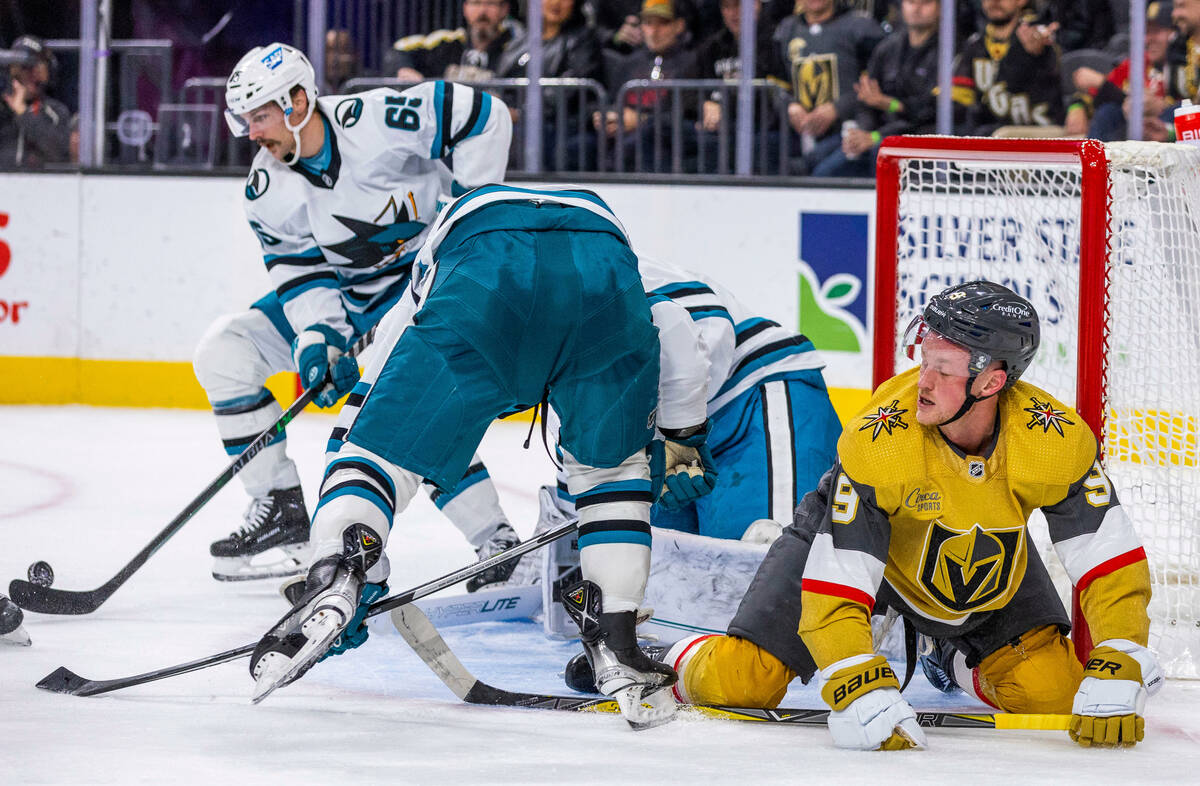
[339,231]
[739,350]
[946,531]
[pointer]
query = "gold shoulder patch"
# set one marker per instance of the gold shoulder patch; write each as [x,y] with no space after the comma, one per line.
[1048,440]
[882,443]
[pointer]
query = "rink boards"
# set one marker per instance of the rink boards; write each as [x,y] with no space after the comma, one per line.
[107,283]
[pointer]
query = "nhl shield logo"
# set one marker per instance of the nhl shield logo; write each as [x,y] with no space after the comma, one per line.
[348,112]
[256,184]
[964,571]
[975,469]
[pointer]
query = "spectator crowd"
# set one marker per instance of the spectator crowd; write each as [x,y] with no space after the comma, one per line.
[834,76]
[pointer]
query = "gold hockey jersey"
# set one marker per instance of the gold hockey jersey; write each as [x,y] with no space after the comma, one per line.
[947,530]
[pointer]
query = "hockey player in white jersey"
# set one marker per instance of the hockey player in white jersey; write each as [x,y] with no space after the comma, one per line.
[520,297]
[340,195]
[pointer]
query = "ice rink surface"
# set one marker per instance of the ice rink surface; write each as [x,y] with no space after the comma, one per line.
[86,488]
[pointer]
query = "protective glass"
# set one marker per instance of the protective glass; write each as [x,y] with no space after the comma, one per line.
[938,353]
[238,125]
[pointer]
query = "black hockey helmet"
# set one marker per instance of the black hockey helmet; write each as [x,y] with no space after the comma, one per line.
[991,321]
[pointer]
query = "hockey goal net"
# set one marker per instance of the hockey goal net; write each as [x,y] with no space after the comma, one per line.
[1104,240]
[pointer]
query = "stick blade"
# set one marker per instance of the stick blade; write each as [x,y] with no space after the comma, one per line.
[63,680]
[48,600]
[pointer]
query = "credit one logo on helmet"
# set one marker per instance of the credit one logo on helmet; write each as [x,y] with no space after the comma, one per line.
[1011,310]
[274,58]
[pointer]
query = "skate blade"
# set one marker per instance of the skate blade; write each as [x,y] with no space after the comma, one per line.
[645,711]
[288,561]
[278,669]
[18,638]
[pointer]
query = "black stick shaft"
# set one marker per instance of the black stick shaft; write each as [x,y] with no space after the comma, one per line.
[50,600]
[63,680]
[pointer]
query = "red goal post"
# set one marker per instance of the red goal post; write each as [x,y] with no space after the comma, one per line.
[1097,236]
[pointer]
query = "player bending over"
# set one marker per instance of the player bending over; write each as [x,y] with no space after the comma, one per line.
[520,297]
[772,431]
[341,196]
[928,518]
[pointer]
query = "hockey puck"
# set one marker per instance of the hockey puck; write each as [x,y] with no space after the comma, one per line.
[41,574]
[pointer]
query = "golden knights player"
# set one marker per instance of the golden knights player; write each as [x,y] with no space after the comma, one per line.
[1008,74]
[928,518]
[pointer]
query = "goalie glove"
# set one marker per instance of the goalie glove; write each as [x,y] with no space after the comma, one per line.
[320,351]
[1108,707]
[681,466]
[868,711]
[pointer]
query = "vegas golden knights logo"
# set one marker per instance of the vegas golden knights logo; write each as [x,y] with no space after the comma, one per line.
[814,80]
[967,570]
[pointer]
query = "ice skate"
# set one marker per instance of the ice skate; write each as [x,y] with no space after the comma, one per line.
[578,674]
[273,543]
[640,686]
[936,657]
[306,632]
[11,616]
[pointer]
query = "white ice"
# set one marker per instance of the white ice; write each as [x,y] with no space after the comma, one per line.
[85,488]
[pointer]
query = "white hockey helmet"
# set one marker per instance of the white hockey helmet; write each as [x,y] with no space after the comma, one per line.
[268,73]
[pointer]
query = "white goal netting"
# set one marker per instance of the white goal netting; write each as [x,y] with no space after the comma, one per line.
[1017,221]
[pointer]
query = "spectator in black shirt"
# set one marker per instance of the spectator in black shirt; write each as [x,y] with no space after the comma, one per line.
[662,56]
[35,129]
[895,95]
[1008,75]
[481,50]
[718,57]
[616,23]
[570,50]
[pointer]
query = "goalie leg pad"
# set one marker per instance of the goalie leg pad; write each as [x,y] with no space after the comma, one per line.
[1038,673]
[728,671]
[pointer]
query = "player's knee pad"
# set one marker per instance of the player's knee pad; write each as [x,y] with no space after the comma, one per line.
[728,671]
[227,361]
[1039,674]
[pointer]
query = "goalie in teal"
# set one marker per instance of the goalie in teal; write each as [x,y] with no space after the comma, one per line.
[520,297]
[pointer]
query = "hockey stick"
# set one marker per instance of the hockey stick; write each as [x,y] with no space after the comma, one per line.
[63,680]
[429,645]
[47,600]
